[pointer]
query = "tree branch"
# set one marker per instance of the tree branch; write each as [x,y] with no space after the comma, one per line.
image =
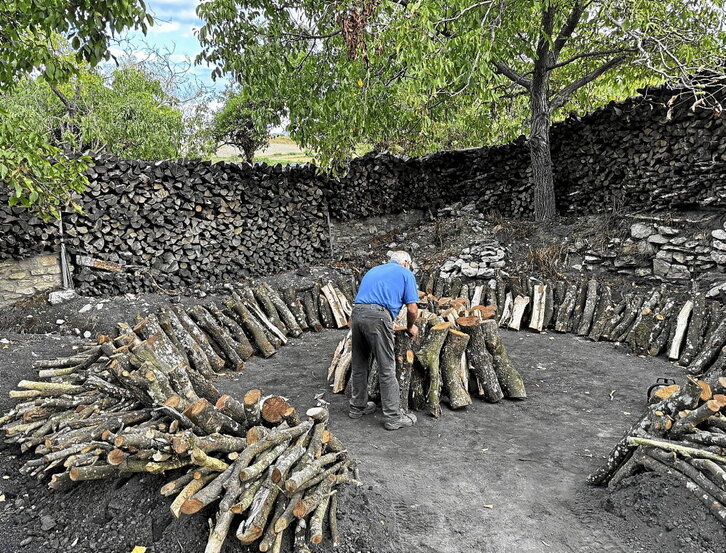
[561,97]
[548,24]
[464,11]
[591,55]
[61,97]
[512,75]
[569,27]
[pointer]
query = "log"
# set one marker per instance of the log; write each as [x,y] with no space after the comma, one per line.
[684,315]
[537,320]
[311,311]
[520,304]
[404,356]
[588,312]
[243,347]
[695,327]
[451,353]
[220,335]
[287,317]
[295,306]
[509,378]
[252,326]
[566,308]
[428,355]
[480,360]
[710,350]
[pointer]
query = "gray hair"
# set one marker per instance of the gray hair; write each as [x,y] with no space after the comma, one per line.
[400,257]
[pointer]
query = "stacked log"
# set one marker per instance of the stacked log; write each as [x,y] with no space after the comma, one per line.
[135,404]
[688,328]
[458,354]
[681,436]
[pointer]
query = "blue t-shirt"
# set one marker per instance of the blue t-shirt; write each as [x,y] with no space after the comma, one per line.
[390,285]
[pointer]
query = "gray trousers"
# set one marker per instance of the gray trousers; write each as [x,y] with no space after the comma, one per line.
[372,337]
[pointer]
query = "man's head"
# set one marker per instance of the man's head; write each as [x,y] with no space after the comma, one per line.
[402,258]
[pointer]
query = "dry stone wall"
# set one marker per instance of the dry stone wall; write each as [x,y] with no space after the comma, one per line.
[23,278]
[170,224]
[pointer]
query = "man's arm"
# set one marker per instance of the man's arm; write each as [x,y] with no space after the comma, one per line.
[411,316]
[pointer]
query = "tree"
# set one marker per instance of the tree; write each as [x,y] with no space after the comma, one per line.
[397,71]
[244,123]
[38,174]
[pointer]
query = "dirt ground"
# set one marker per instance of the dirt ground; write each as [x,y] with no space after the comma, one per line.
[489,478]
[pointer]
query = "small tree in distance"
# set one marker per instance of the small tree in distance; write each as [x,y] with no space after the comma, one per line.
[244,123]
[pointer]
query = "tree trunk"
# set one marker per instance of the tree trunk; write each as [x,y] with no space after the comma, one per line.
[539,151]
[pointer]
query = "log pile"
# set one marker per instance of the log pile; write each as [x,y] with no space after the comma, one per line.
[243,220]
[141,403]
[682,435]
[688,328]
[239,221]
[458,354]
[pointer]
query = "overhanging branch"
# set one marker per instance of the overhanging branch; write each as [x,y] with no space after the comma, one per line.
[512,75]
[561,97]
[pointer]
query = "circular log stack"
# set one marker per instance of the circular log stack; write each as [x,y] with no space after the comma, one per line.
[682,435]
[458,354]
[686,327]
[145,402]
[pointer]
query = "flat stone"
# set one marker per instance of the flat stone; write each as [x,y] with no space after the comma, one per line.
[719,245]
[657,239]
[716,290]
[719,234]
[469,271]
[668,231]
[641,230]
[681,257]
[18,275]
[718,257]
[666,255]
[55,298]
[47,522]
[643,272]
[679,272]
[86,308]
[661,267]
[679,241]
[59,321]
[640,247]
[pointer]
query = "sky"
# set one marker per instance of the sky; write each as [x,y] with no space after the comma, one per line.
[174,30]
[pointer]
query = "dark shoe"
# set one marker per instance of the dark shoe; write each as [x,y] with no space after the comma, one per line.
[404,421]
[355,413]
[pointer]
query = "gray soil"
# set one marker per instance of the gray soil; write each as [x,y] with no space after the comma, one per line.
[490,478]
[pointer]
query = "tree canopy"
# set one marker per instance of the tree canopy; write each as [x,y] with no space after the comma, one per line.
[32,34]
[417,75]
[244,123]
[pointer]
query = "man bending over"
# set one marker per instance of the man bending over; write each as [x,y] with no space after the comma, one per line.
[383,291]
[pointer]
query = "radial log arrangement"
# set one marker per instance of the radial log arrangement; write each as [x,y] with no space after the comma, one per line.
[685,327]
[682,435]
[458,354]
[144,402]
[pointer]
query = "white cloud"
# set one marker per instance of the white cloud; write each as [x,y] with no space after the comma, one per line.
[167,27]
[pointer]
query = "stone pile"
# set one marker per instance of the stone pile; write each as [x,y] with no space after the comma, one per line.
[663,252]
[480,260]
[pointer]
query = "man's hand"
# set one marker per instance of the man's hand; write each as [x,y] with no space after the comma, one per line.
[413,331]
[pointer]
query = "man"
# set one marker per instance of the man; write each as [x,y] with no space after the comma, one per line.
[383,291]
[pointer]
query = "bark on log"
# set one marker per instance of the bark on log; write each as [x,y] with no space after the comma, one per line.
[428,355]
[451,353]
[480,360]
[509,378]
[252,326]
[588,312]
